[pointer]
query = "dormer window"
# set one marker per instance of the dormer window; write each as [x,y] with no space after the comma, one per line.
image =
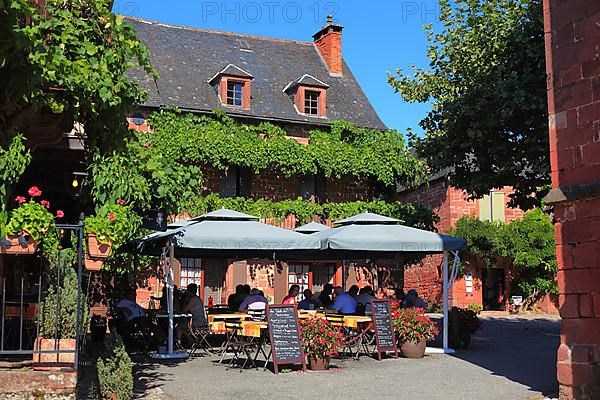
[309,95]
[233,86]
[235,93]
[311,102]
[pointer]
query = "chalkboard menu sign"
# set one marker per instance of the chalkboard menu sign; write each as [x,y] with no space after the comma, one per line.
[284,332]
[384,330]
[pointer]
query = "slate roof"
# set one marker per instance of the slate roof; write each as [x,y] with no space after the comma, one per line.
[187,59]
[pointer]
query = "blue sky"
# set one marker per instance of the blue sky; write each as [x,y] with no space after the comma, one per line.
[379,36]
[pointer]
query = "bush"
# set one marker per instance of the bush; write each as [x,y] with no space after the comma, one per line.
[114,370]
[67,314]
[412,325]
[476,308]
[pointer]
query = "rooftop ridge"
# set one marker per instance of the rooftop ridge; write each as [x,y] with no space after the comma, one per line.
[235,34]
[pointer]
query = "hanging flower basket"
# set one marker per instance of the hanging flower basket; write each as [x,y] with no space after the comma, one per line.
[96,249]
[17,244]
[93,264]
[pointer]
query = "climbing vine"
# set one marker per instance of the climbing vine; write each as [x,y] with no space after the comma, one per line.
[345,150]
[69,59]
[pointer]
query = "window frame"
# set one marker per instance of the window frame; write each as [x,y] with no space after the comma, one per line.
[232,93]
[245,96]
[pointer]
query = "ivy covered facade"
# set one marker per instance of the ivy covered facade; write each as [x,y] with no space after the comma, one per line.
[277,128]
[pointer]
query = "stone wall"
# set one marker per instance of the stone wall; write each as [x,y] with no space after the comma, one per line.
[573,66]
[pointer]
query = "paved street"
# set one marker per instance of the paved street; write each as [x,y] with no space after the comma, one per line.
[511,358]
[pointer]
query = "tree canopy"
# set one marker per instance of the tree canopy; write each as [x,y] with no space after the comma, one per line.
[486,83]
[528,243]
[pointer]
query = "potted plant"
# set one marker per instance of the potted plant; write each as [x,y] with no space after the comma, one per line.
[27,225]
[111,226]
[320,341]
[413,329]
[462,323]
[58,317]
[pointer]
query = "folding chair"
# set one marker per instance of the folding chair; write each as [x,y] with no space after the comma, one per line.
[200,337]
[240,346]
[350,337]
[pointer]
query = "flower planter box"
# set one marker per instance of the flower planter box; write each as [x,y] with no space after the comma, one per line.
[17,246]
[96,249]
[93,264]
[53,361]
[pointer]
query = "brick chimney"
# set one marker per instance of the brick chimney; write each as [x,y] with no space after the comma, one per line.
[329,42]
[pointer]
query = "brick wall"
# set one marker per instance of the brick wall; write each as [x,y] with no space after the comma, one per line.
[573,67]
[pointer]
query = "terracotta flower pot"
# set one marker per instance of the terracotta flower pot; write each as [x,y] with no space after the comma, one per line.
[318,364]
[413,349]
[18,245]
[53,361]
[97,249]
[93,264]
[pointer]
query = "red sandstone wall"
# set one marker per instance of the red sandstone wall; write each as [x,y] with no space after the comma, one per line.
[573,66]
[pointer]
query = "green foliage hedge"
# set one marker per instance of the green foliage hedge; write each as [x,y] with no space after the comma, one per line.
[114,369]
[528,243]
[413,214]
[346,150]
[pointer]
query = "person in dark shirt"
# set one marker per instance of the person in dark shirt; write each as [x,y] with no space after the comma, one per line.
[307,303]
[325,297]
[235,299]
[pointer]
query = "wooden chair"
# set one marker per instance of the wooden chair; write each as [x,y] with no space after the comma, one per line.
[350,336]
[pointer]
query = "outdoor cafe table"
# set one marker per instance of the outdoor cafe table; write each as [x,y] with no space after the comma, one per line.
[216,322]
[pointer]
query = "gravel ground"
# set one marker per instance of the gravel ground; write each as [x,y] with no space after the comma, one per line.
[510,358]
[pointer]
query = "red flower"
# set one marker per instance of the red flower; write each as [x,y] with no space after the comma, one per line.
[34,191]
[111,216]
[59,214]
[121,202]
[45,203]
[20,199]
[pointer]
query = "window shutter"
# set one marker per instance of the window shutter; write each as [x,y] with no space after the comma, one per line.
[498,206]
[485,209]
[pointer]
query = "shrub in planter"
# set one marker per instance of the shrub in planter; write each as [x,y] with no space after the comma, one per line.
[59,324]
[114,370]
[320,341]
[463,323]
[413,329]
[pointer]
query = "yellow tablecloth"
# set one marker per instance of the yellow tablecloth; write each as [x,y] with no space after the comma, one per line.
[249,328]
[350,321]
[222,317]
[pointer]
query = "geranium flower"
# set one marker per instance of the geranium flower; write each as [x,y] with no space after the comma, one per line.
[121,202]
[45,203]
[59,214]
[111,216]
[20,199]
[34,191]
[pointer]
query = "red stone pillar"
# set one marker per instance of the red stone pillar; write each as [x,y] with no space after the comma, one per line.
[572,29]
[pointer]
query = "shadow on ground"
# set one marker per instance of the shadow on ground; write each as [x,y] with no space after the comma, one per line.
[522,350]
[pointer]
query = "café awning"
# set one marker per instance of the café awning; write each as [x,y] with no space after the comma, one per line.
[377,233]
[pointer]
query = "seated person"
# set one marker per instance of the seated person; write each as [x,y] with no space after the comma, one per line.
[292,294]
[353,291]
[134,320]
[176,302]
[129,308]
[325,296]
[412,299]
[365,296]
[307,303]
[195,306]
[235,299]
[344,302]
[254,301]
